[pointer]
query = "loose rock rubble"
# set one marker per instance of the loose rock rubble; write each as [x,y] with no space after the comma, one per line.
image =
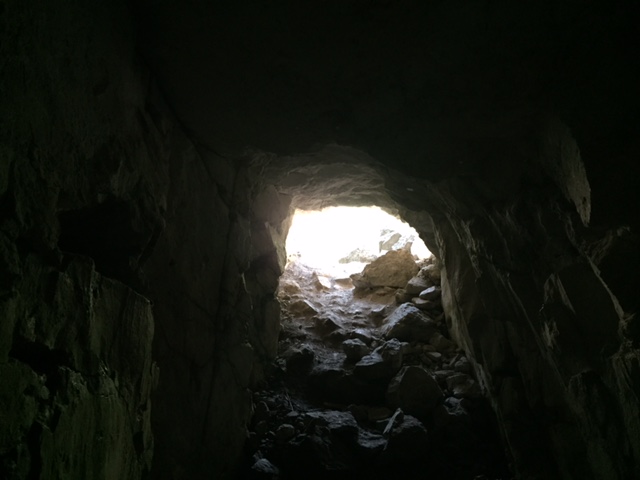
[368,384]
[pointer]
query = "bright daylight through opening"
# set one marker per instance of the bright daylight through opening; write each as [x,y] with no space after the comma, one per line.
[342,239]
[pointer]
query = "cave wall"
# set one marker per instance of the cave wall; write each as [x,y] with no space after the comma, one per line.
[213,275]
[82,188]
[128,237]
[103,361]
[552,338]
[549,336]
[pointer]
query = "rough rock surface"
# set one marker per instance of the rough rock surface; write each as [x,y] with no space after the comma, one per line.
[507,136]
[417,285]
[414,391]
[393,269]
[356,420]
[408,323]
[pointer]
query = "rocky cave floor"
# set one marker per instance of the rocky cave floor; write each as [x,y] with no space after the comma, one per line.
[368,384]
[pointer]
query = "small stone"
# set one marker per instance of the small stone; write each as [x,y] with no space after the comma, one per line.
[432,272]
[325,326]
[355,349]
[423,304]
[431,293]
[321,282]
[371,443]
[462,385]
[392,352]
[417,285]
[462,365]
[442,375]
[263,468]
[402,296]
[435,356]
[285,432]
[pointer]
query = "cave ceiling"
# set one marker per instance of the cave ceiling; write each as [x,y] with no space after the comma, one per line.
[426,86]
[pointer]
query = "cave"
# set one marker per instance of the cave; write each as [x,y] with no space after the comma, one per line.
[152,154]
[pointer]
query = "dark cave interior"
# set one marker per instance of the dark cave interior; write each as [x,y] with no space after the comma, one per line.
[152,154]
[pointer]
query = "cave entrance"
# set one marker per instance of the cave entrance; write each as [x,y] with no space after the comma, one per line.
[346,267]
[367,382]
[346,238]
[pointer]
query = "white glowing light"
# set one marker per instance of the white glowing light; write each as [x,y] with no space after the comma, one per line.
[321,238]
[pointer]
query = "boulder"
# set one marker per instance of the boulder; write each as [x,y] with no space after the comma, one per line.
[451,411]
[302,307]
[392,352]
[358,255]
[355,349]
[417,284]
[383,363]
[388,240]
[431,272]
[299,359]
[408,323]
[394,269]
[264,469]
[463,386]
[373,367]
[414,391]
[424,304]
[431,293]
[338,423]
[407,441]
[442,343]
[285,432]
[462,365]
[370,444]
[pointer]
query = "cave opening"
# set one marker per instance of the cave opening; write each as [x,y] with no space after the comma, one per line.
[367,380]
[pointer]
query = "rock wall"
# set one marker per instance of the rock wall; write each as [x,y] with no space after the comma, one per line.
[549,336]
[552,337]
[81,194]
[97,180]
[213,273]
[506,138]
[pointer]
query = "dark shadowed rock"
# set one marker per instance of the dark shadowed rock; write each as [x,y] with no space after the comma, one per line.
[414,391]
[431,293]
[462,385]
[338,423]
[408,323]
[417,285]
[408,441]
[355,349]
[263,469]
